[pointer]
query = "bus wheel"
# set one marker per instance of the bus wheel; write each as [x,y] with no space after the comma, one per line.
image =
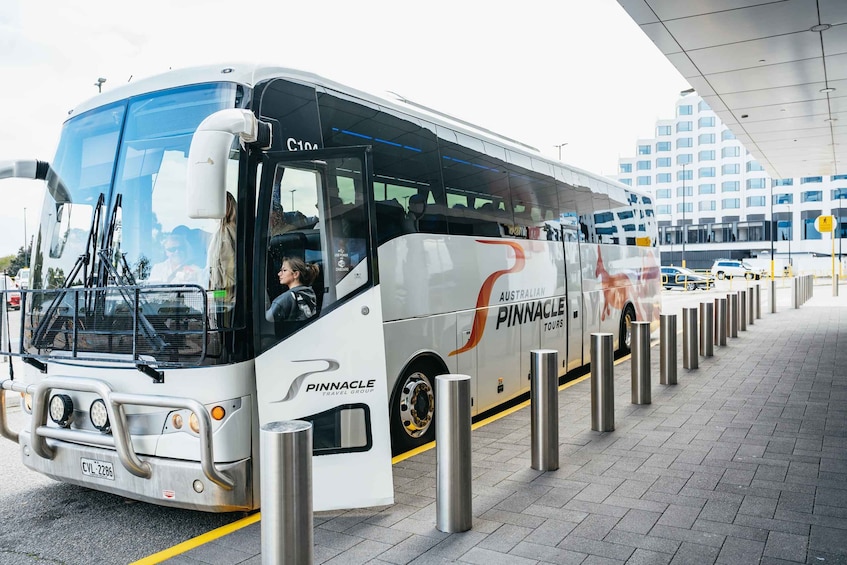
[413,408]
[625,341]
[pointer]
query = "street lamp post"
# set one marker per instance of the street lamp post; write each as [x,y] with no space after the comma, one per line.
[26,251]
[559,146]
[773,225]
[684,233]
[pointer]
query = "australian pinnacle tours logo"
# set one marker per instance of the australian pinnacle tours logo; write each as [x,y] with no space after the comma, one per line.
[330,388]
[550,312]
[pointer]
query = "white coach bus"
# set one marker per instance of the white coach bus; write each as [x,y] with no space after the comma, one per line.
[440,247]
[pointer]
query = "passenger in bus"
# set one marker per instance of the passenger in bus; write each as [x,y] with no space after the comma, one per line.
[299,301]
[177,267]
[222,256]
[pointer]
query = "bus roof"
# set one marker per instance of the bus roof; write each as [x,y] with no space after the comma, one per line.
[251,74]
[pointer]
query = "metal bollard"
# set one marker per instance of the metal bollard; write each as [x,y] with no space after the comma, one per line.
[453,487]
[720,321]
[732,324]
[742,310]
[835,284]
[772,296]
[286,483]
[751,312]
[795,292]
[640,363]
[707,329]
[544,402]
[757,293]
[602,382]
[667,349]
[690,358]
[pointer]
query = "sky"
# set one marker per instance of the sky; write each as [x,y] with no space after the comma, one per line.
[544,72]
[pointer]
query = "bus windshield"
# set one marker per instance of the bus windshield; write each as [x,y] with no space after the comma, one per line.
[135,150]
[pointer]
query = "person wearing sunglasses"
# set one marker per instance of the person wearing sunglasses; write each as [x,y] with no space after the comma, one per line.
[177,267]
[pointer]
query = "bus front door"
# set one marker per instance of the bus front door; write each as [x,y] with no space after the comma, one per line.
[321,357]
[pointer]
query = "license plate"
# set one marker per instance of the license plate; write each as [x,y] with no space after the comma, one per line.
[97,469]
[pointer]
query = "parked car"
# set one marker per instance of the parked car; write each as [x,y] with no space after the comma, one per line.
[22,278]
[13,299]
[723,268]
[685,278]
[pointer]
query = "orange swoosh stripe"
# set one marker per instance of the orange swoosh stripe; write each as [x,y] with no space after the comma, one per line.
[484,296]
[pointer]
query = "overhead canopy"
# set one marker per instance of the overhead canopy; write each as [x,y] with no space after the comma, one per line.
[774,72]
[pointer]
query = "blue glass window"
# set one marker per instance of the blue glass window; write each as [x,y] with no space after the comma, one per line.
[756,183]
[811,196]
[734,151]
[643,165]
[643,181]
[705,138]
[706,205]
[684,126]
[664,130]
[663,146]
[685,175]
[663,177]
[839,193]
[756,201]
[706,122]
[663,162]
[730,186]
[726,135]
[706,172]
[643,149]
[627,182]
[730,203]
[663,193]
[706,156]
[838,177]
[731,169]
[684,159]
[706,189]
[784,198]
[783,182]
[688,207]
[684,142]
[626,167]
[663,209]
[754,166]
[685,110]
[804,180]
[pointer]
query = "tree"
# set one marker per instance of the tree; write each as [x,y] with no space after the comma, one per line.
[19,261]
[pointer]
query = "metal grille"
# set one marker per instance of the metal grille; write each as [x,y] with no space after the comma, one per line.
[162,326]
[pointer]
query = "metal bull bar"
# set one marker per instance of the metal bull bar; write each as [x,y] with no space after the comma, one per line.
[120,439]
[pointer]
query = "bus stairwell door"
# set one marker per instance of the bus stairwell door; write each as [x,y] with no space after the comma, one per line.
[321,358]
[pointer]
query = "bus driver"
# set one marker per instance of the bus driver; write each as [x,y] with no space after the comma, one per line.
[299,301]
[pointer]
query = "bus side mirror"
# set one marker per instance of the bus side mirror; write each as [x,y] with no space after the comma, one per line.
[208,159]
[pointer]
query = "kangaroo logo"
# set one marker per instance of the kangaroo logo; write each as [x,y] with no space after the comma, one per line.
[484,297]
[294,389]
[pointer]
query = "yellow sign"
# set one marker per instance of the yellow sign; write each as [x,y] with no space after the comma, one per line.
[824,224]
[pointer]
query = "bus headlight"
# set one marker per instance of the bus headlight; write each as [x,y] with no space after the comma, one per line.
[194,423]
[99,416]
[61,409]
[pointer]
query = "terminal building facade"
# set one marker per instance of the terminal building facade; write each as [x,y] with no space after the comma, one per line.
[714,200]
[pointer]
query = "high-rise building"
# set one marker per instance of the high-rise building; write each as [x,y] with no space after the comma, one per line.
[714,200]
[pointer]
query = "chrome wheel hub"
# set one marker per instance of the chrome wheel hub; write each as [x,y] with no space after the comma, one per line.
[417,405]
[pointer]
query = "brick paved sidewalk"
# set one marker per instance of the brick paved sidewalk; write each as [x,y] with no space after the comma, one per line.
[743,461]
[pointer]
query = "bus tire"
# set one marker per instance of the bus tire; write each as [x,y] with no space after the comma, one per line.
[413,406]
[625,339]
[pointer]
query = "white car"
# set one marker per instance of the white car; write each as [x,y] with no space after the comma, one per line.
[22,278]
[729,268]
